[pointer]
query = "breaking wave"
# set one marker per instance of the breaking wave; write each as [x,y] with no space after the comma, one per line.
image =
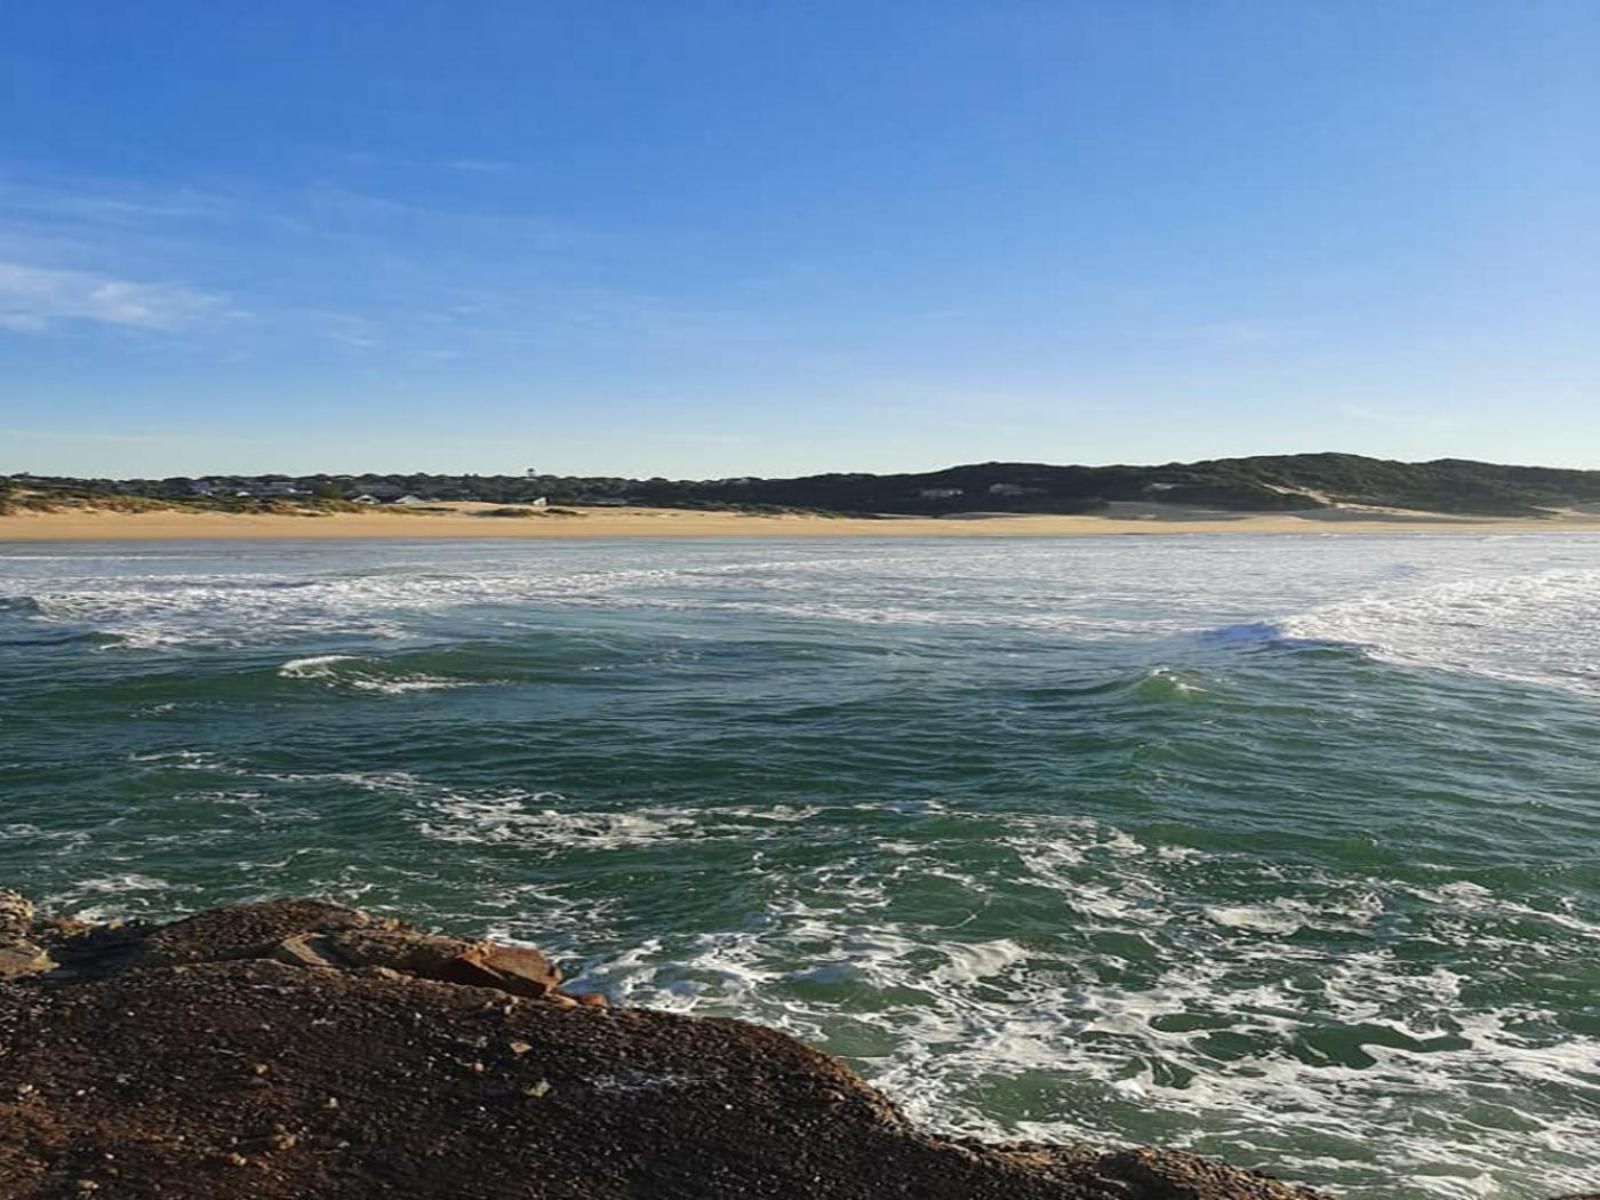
[365,675]
[1279,849]
[1539,628]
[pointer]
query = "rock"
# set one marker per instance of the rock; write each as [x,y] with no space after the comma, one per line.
[317,934]
[401,1090]
[302,950]
[20,959]
[1164,1173]
[513,969]
[244,931]
[16,916]
[20,956]
[65,927]
[529,972]
[397,947]
[301,933]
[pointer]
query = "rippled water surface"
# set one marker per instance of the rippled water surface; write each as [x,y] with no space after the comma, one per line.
[1281,849]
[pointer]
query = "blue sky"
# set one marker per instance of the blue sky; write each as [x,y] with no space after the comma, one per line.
[706,239]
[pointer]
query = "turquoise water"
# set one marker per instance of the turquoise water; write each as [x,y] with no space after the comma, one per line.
[1281,849]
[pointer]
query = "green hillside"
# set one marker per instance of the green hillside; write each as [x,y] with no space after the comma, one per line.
[1262,484]
[1270,483]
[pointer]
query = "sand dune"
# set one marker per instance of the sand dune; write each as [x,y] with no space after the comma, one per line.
[467,521]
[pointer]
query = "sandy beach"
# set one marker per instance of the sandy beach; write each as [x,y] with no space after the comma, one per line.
[468,521]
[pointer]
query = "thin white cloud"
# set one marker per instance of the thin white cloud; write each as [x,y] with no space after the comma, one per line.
[35,299]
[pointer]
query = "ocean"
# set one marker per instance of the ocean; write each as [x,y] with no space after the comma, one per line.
[1282,849]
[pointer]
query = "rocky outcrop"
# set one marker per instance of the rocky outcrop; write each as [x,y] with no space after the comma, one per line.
[20,955]
[298,1049]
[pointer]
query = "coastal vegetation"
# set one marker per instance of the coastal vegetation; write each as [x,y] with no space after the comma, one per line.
[1271,483]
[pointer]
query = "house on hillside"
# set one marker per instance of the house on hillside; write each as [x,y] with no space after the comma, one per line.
[364,498]
[940,493]
[408,502]
[1013,490]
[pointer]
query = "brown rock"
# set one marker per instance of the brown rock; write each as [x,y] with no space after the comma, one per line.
[369,1094]
[16,916]
[244,931]
[20,956]
[535,975]
[302,950]
[513,969]
[64,927]
[20,959]
[397,947]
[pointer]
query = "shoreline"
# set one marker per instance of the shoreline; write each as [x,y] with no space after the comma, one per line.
[465,521]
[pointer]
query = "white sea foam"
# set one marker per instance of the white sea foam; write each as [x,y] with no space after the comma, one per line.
[1275,919]
[129,882]
[181,760]
[543,820]
[1536,628]
[332,670]
[1511,615]
[314,667]
[948,1020]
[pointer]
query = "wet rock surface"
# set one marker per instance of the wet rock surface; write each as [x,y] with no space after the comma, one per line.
[297,1049]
